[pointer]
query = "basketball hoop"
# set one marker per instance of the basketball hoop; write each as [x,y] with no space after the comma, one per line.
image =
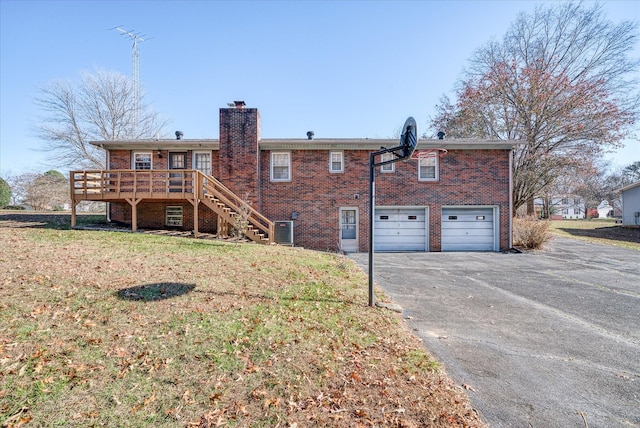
[428,153]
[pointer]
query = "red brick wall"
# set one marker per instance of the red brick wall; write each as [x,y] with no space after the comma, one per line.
[467,177]
[238,154]
[151,215]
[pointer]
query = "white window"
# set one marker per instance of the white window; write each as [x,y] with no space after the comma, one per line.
[336,162]
[280,166]
[428,168]
[390,167]
[173,216]
[142,160]
[202,162]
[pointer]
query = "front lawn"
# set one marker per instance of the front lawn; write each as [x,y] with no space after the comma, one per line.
[601,231]
[124,329]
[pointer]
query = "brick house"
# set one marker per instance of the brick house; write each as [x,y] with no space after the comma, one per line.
[309,192]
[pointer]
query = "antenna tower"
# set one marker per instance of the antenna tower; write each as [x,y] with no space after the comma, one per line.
[135,72]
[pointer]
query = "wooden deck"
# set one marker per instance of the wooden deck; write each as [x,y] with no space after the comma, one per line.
[135,186]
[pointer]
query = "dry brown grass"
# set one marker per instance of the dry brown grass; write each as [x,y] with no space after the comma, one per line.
[121,329]
[600,231]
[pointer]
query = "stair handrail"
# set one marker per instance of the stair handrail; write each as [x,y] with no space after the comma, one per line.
[214,187]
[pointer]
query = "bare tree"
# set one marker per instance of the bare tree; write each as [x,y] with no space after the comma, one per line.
[47,191]
[19,185]
[632,172]
[97,107]
[560,81]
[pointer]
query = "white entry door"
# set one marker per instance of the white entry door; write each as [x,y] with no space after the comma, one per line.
[349,230]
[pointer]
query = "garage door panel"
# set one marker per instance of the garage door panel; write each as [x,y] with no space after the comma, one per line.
[468,229]
[400,225]
[400,229]
[405,240]
[400,232]
[468,225]
[468,247]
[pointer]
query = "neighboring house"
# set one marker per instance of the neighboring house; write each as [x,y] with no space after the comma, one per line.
[568,206]
[308,192]
[630,204]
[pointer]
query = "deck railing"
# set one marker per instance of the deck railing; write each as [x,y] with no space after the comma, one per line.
[124,183]
[192,185]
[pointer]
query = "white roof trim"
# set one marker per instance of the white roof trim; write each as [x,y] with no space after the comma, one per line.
[306,144]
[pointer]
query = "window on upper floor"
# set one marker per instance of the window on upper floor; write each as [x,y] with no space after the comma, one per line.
[565,201]
[428,168]
[576,201]
[202,162]
[280,166]
[142,160]
[390,167]
[336,162]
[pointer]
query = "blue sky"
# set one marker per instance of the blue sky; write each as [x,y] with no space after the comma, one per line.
[342,69]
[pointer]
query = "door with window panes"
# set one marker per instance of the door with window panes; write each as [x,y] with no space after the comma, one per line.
[177,179]
[349,229]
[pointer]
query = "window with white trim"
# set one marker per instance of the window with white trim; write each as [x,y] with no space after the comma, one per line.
[142,160]
[428,168]
[390,167]
[336,162]
[280,166]
[202,162]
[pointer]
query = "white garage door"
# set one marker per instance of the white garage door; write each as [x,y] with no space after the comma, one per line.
[400,229]
[468,229]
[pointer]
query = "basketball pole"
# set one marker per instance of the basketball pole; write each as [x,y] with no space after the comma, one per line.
[372,198]
[408,143]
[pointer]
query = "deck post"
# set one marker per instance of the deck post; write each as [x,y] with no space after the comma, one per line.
[73,213]
[195,203]
[134,212]
[73,198]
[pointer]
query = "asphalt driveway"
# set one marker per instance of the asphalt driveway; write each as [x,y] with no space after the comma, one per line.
[543,339]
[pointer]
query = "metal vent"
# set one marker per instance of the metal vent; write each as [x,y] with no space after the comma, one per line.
[284,232]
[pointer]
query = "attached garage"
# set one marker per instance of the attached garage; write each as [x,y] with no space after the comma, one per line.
[400,229]
[469,229]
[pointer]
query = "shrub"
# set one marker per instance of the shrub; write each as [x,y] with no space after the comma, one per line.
[530,233]
[14,207]
[5,193]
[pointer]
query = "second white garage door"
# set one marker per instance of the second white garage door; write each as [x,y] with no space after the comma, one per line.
[400,229]
[468,229]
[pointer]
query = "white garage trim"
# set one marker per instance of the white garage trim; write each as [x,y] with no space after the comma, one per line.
[470,228]
[401,229]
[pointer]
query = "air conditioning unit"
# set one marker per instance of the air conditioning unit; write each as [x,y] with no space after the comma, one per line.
[284,232]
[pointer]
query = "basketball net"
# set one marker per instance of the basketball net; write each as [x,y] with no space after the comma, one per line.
[428,153]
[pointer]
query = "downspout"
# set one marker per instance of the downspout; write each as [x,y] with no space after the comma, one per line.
[511,213]
[259,195]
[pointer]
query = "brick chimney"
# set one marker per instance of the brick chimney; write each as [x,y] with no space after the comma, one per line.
[239,153]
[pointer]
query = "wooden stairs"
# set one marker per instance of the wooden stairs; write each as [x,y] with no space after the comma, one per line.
[235,213]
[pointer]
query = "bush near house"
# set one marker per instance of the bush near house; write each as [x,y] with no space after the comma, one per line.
[530,233]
